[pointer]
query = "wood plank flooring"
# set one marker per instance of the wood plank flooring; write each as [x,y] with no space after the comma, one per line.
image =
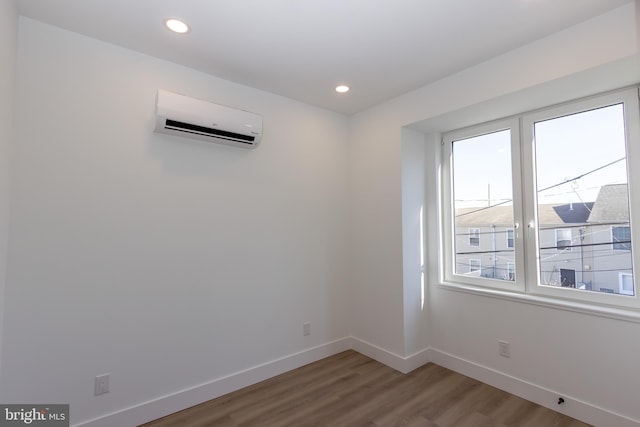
[350,389]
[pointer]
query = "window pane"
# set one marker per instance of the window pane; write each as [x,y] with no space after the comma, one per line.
[510,243]
[584,234]
[475,266]
[564,240]
[621,237]
[474,237]
[483,206]
[511,271]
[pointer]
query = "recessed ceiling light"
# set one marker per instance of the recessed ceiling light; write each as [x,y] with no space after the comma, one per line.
[176,25]
[342,89]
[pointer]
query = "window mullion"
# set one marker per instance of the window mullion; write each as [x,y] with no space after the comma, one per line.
[518,208]
[529,234]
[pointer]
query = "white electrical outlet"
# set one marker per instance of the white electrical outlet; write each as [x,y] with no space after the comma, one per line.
[102,384]
[504,348]
[306,328]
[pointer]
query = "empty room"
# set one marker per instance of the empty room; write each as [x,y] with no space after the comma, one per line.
[206,197]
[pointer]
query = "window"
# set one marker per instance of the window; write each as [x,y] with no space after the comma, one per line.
[482,196]
[562,171]
[625,281]
[563,240]
[621,237]
[475,266]
[511,271]
[510,238]
[474,237]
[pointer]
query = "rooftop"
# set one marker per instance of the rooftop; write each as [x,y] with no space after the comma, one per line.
[611,206]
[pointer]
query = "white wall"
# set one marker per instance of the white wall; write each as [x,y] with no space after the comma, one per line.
[376,225]
[415,306]
[8,39]
[553,350]
[163,261]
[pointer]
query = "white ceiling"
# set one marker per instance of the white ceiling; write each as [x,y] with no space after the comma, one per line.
[302,49]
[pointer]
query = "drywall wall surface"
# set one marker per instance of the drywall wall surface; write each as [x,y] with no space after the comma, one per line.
[376,224]
[8,41]
[602,40]
[414,213]
[163,261]
[585,357]
[461,325]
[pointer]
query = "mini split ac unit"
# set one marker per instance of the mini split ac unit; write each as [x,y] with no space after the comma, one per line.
[197,119]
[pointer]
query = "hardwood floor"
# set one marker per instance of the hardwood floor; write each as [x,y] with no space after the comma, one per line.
[350,389]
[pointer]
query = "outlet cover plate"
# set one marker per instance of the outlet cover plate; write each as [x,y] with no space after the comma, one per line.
[102,384]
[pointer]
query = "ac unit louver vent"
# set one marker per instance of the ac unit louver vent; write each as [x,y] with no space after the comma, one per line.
[193,118]
[201,130]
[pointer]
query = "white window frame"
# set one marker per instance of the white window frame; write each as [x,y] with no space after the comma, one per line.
[526,251]
[632,128]
[449,259]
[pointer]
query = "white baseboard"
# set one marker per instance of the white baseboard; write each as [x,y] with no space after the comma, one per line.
[572,407]
[165,405]
[399,363]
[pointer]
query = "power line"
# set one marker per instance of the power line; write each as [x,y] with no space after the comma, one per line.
[581,176]
[566,181]
[571,192]
[584,245]
[485,208]
[579,225]
[499,251]
[591,271]
[491,268]
[562,249]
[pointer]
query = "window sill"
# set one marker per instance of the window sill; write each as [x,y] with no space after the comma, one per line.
[623,314]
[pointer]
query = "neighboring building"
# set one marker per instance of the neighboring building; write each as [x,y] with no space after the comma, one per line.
[485,242]
[582,245]
[610,254]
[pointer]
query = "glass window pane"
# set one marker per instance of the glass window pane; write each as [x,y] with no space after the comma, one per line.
[621,237]
[474,237]
[475,266]
[483,206]
[510,242]
[511,271]
[584,233]
[564,240]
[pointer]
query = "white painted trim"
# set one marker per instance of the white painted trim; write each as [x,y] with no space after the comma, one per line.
[174,402]
[572,407]
[392,360]
[165,405]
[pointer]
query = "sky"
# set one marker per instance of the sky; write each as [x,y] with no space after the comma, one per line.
[570,146]
[565,148]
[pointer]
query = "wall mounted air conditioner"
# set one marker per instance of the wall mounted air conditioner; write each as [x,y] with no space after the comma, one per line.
[194,118]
